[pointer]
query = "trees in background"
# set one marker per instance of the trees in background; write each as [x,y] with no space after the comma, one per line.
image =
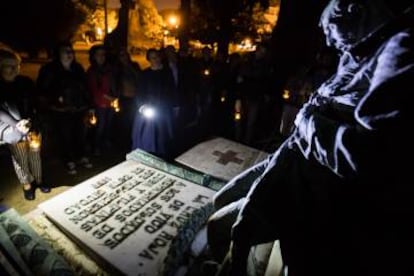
[140,26]
[32,26]
[224,21]
[150,20]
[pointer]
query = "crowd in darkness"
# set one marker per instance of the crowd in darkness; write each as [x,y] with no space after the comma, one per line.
[85,113]
[335,193]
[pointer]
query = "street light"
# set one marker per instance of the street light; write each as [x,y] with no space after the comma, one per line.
[173,21]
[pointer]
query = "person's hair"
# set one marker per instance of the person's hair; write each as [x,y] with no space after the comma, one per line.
[92,52]
[170,48]
[59,47]
[8,54]
[151,50]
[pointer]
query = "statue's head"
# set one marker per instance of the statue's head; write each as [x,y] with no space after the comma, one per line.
[345,22]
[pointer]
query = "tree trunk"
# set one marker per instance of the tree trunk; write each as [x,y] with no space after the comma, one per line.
[185,11]
[224,36]
[118,39]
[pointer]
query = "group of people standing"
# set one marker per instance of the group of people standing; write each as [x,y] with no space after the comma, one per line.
[58,106]
[188,99]
[336,193]
[17,117]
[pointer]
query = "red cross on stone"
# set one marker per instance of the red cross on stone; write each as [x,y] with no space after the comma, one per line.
[227,157]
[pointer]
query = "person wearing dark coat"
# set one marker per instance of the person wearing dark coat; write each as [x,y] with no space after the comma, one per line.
[63,91]
[153,128]
[127,76]
[336,193]
[17,117]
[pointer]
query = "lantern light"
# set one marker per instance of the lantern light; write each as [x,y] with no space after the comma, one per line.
[35,140]
[92,119]
[286,94]
[115,105]
[237,116]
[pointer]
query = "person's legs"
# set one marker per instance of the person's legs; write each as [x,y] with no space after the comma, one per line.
[35,165]
[79,140]
[19,154]
[100,129]
[251,121]
[64,128]
[109,117]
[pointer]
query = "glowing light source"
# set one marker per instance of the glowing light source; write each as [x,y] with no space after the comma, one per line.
[92,119]
[237,116]
[246,45]
[35,140]
[286,94]
[99,33]
[147,111]
[173,21]
[115,105]
[206,72]
[222,99]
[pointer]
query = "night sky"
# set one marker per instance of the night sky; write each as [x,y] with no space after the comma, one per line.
[161,4]
[167,4]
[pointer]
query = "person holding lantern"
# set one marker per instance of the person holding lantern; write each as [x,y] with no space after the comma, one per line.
[101,86]
[16,115]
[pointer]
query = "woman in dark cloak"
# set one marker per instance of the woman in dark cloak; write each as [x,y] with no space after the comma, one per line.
[153,128]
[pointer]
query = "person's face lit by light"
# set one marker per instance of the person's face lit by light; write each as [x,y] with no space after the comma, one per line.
[100,57]
[124,57]
[9,69]
[67,55]
[154,59]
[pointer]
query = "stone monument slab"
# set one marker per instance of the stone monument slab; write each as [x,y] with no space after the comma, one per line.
[127,216]
[221,158]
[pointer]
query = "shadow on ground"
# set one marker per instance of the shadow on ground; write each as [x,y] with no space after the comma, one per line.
[11,194]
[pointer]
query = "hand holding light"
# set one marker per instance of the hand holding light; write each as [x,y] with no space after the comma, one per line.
[23,126]
[147,111]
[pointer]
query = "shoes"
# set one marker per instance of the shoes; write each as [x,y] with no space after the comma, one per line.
[30,193]
[71,167]
[85,163]
[44,188]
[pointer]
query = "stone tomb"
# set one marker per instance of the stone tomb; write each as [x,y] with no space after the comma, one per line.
[127,216]
[221,158]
